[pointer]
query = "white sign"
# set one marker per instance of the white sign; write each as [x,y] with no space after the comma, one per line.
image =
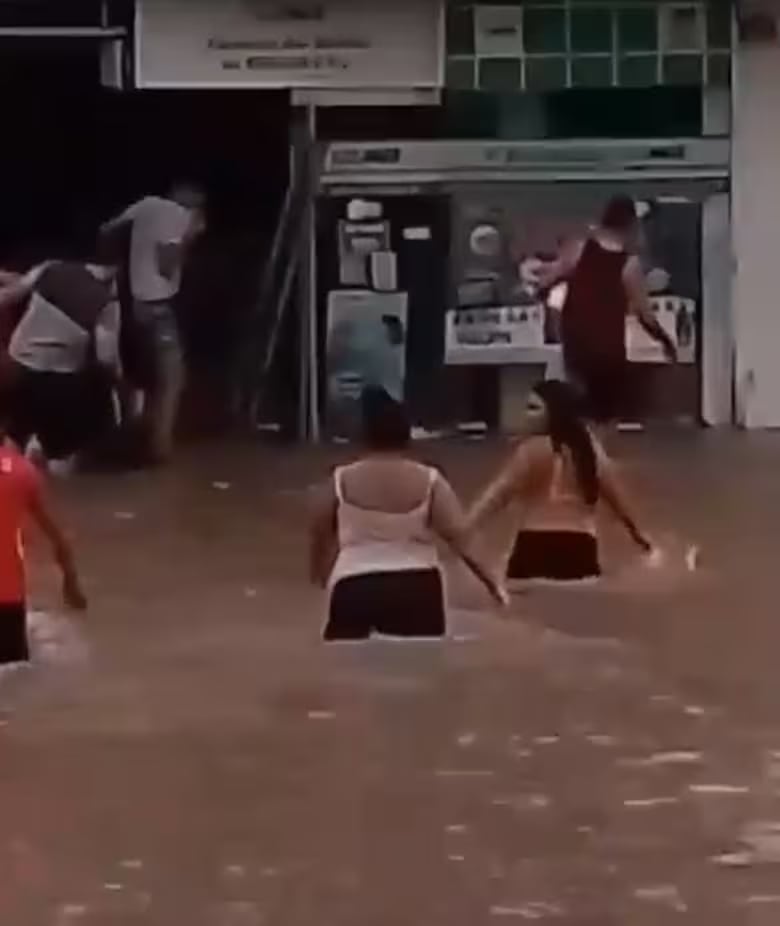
[326,44]
[498,31]
[678,319]
[508,335]
[489,335]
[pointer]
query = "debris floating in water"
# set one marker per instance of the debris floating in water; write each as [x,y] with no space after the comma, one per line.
[466,740]
[464,773]
[718,789]
[692,558]
[666,894]
[763,840]
[73,910]
[321,715]
[734,859]
[524,802]
[643,802]
[663,758]
[536,910]
[602,739]
[221,486]
[655,558]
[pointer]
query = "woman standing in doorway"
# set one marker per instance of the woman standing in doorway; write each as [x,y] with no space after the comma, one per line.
[375,532]
[559,475]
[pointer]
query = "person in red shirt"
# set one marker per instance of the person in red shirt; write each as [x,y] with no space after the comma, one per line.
[21,498]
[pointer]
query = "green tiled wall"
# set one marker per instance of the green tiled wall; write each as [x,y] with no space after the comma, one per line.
[541,45]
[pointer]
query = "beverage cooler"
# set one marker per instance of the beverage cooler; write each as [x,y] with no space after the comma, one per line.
[383,265]
[426,255]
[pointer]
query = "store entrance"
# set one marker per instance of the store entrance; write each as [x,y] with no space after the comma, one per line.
[75,153]
[498,229]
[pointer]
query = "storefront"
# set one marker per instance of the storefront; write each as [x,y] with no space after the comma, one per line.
[553,71]
[425,251]
[756,215]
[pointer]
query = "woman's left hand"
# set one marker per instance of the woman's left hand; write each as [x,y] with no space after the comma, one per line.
[654,557]
[499,592]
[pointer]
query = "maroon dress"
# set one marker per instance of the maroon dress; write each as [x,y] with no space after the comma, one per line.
[593,329]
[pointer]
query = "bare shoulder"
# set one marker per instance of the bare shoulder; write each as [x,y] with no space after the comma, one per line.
[531,452]
[573,249]
[632,269]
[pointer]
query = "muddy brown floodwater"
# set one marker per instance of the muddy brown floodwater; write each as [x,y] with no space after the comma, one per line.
[191,755]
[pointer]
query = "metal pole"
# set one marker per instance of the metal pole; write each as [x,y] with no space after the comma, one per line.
[298,181]
[307,175]
[311,259]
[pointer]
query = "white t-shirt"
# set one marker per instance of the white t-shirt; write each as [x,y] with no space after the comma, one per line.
[47,340]
[156,222]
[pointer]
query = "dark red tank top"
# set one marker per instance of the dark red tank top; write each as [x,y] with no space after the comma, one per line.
[594,314]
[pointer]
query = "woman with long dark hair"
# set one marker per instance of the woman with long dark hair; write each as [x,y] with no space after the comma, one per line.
[375,535]
[559,475]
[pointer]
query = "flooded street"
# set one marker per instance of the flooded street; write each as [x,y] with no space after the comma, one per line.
[190,753]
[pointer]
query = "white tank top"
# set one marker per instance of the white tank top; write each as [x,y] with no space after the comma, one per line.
[371,540]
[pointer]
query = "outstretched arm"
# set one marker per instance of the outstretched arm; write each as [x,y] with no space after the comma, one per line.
[118,222]
[323,543]
[63,554]
[562,267]
[14,290]
[639,304]
[448,521]
[616,498]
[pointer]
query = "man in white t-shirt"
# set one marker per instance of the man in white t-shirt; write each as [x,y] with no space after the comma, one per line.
[162,230]
[62,352]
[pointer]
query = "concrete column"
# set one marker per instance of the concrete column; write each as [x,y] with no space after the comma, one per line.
[756,234]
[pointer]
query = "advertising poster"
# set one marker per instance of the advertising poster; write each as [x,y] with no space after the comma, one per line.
[366,346]
[358,242]
[500,241]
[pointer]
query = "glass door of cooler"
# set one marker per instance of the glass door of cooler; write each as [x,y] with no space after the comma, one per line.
[382,291]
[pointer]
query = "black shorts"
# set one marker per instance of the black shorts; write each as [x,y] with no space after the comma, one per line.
[395,604]
[65,411]
[604,388]
[14,646]
[565,556]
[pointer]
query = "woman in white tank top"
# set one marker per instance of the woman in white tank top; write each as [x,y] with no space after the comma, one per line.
[375,535]
[559,475]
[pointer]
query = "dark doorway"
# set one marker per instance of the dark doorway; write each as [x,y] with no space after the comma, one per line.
[74,153]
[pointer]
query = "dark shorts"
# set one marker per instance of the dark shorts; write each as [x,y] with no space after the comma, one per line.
[565,556]
[158,341]
[13,634]
[603,386]
[65,411]
[395,604]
